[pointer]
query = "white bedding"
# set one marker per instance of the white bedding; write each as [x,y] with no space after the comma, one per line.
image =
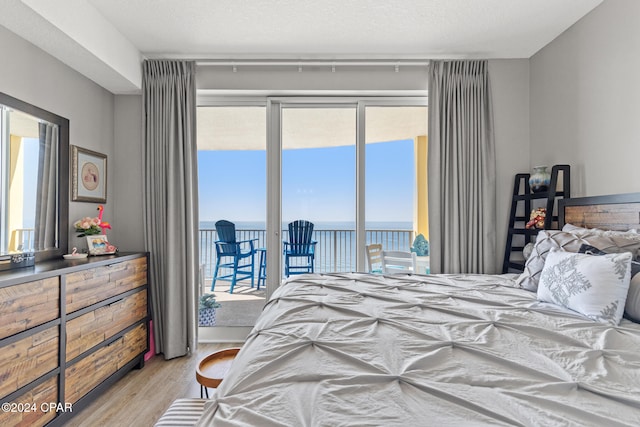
[458,350]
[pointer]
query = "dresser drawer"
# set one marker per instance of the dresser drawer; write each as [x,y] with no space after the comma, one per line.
[97,284]
[28,304]
[28,359]
[92,328]
[31,408]
[85,375]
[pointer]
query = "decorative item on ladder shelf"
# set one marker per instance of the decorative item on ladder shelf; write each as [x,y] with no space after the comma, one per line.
[539,179]
[536,219]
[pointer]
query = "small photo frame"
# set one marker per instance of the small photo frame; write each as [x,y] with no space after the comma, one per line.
[89,175]
[99,245]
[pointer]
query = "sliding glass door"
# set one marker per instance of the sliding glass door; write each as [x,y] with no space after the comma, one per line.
[232,187]
[319,181]
[355,168]
[395,176]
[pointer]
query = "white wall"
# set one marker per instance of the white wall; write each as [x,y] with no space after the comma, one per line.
[585,101]
[129,178]
[510,94]
[33,76]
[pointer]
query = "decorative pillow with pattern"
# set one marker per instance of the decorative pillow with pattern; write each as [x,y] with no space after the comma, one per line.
[595,286]
[632,306]
[569,242]
[546,240]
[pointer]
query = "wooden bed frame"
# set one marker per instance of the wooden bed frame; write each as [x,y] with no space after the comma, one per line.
[612,212]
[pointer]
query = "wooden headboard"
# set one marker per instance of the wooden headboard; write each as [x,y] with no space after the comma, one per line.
[615,212]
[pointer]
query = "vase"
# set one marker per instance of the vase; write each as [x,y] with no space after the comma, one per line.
[206,317]
[539,179]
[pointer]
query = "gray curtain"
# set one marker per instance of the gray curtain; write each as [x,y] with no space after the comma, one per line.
[45,233]
[171,201]
[462,169]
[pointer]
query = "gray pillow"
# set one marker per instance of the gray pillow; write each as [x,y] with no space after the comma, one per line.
[632,306]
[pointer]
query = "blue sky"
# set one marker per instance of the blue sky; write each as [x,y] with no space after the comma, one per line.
[318,184]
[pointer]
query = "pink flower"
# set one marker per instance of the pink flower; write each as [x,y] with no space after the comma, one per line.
[89,226]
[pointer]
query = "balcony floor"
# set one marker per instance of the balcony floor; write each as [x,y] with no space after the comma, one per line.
[241,308]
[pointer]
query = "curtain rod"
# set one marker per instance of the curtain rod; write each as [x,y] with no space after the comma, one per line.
[320,63]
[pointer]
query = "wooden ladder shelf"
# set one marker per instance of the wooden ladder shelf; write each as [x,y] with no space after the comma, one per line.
[521,204]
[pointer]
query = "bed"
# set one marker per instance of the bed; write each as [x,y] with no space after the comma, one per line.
[414,350]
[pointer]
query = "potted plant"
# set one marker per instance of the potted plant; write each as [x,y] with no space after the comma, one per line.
[207,310]
[420,246]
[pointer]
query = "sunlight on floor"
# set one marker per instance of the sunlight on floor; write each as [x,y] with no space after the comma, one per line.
[242,291]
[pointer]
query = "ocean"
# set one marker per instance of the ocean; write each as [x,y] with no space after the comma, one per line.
[327,225]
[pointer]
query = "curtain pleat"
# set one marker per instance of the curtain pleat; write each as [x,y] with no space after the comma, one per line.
[45,230]
[461,168]
[171,201]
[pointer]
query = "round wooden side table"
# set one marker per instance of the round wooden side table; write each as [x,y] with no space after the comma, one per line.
[212,369]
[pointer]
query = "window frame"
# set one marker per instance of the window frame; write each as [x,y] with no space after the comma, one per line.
[274,105]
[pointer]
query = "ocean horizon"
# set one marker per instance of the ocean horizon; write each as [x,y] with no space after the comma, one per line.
[320,225]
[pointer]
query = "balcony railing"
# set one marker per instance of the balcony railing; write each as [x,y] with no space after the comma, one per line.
[335,250]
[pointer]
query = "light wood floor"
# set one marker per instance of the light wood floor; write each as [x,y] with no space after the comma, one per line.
[142,396]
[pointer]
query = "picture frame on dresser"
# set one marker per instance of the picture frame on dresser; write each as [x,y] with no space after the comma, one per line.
[99,245]
[89,175]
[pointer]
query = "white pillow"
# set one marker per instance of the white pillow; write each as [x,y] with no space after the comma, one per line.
[595,286]
[569,242]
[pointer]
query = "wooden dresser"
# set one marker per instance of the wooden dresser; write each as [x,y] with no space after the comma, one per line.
[68,330]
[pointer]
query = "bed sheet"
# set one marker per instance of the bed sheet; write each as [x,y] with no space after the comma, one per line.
[410,350]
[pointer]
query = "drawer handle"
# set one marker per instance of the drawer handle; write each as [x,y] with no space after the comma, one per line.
[118,341]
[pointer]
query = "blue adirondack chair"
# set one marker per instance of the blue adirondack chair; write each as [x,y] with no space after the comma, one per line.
[299,246]
[232,254]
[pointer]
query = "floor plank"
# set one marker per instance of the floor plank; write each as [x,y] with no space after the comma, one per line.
[142,396]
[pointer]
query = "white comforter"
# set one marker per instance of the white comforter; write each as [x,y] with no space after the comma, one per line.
[459,350]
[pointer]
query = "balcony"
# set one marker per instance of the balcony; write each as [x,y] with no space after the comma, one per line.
[335,251]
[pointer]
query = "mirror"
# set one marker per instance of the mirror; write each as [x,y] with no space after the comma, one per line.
[34,181]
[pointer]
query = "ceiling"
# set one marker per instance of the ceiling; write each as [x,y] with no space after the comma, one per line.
[106,39]
[243,128]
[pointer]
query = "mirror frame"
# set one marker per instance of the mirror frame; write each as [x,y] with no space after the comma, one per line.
[63,171]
